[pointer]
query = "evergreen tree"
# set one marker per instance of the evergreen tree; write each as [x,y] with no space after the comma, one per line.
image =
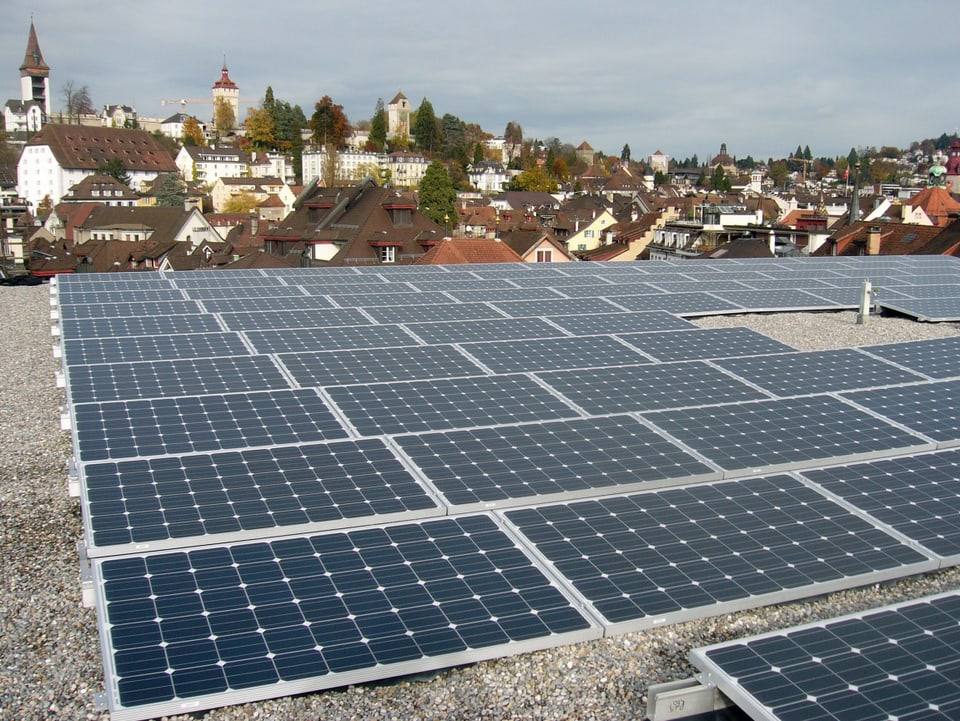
[807,155]
[115,169]
[477,153]
[171,192]
[452,135]
[378,125]
[425,130]
[438,199]
[719,181]
[625,154]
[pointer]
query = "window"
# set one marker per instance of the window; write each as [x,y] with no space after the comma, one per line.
[544,256]
[388,254]
[582,246]
[588,234]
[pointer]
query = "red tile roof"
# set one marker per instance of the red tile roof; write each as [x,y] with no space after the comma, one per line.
[457,251]
[77,147]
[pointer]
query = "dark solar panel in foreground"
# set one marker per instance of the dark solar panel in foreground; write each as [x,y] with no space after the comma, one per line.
[897,662]
[194,629]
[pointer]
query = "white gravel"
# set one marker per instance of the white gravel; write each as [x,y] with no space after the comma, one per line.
[49,646]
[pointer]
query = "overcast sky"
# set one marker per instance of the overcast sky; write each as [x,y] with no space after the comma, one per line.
[682,77]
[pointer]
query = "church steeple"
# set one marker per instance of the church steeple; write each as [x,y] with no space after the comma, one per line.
[35,74]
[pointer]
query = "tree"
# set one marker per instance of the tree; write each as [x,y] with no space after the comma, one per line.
[378,126]
[8,156]
[330,173]
[477,153]
[513,143]
[852,157]
[719,181]
[224,119]
[171,192]
[452,135]
[76,101]
[807,155]
[625,154]
[45,206]
[115,169]
[777,172]
[534,179]
[259,129]
[660,178]
[438,199]
[425,130]
[560,170]
[244,202]
[883,170]
[329,123]
[193,133]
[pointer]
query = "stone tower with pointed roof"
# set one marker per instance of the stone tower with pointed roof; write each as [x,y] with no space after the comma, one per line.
[398,117]
[35,75]
[227,91]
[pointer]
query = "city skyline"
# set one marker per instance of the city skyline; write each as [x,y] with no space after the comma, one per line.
[681,79]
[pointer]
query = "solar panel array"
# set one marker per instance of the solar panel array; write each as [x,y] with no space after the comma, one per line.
[288,484]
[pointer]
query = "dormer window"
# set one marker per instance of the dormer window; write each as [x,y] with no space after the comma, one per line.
[388,254]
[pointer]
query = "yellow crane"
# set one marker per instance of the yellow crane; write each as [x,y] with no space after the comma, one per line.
[805,163]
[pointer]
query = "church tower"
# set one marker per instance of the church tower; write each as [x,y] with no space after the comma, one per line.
[227,91]
[35,75]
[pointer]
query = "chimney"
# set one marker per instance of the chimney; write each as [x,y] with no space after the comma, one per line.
[873,240]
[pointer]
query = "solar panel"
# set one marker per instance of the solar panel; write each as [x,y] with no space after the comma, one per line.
[170,426]
[930,357]
[682,303]
[609,290]
[645,388]
[120,326]
[200,628]
[479,330]
[87,351]
[85,295]
[762,436]
[703,285]
[434,404]
[601,323]
[151,504]
[896,662]
[167,378]
[131,309]
[816,371]
[275,290]
[508,465]
[700,343]
[586,306]
[349,367]
[464,281]
[769,300]
[665,556]
[940,290]
[931,409]
[506,294]
[374,298]
[317,339]
[265,303]
[294,319]
[934,310]
[410,313]
[917,496]
[518,356]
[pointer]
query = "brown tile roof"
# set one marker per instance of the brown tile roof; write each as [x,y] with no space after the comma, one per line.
[78,147]
[895,238]
[165,222]
[100,188]
[740,248]
[33,63]
[457,251]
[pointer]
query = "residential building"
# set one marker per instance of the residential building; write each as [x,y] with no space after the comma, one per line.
[352,165]
[260,189]
[60,156]
[536,245]
[406,168]
[488,176]
[206,164]
[360,224]
[103,189]
[118,116]
[156,224]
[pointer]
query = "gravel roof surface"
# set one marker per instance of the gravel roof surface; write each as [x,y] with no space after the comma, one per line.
[51,664]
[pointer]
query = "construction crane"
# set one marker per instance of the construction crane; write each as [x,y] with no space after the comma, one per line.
[207,101]
[805,163]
